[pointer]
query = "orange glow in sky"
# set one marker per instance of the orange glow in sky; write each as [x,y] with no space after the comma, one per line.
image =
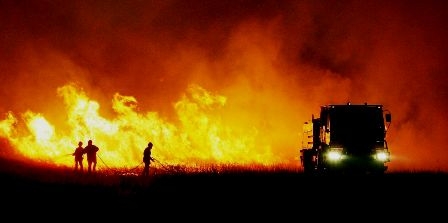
[217,82]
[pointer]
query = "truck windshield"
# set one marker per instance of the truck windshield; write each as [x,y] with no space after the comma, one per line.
[356,126]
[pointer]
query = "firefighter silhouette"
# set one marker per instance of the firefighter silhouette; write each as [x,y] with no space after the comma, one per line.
[91,151]
[147,159]
[79,156]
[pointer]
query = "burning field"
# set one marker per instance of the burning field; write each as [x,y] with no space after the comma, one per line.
[216,86]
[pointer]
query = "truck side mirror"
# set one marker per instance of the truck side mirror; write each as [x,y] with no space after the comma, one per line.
[388,117]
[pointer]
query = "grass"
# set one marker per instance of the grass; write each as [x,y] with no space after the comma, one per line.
[255,190]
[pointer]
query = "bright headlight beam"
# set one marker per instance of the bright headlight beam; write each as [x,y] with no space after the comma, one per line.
[334,155]
[382,156]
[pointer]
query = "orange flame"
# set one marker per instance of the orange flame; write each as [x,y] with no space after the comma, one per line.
[200,137]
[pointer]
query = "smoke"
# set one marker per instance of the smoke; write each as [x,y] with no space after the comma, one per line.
[277,62]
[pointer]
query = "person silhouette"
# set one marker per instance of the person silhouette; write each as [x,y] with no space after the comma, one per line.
[147,159]
[91,151]
[79,156]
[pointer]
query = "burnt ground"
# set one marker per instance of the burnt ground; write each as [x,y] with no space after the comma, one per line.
[48,192]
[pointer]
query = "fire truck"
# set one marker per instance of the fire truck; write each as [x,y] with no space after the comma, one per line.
[346,138]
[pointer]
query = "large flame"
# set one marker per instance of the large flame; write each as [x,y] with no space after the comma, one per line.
[201,136]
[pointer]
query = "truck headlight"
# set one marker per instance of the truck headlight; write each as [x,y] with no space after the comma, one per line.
[334,154]
[382,155]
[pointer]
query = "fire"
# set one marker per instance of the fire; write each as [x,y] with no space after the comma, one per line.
[6,125]
[200,136]
[40,128]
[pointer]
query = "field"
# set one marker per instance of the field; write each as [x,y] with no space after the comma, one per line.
[254,194]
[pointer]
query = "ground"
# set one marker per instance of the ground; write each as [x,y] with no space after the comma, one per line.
[227,195]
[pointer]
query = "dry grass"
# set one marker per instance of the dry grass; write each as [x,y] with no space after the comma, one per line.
[210,189]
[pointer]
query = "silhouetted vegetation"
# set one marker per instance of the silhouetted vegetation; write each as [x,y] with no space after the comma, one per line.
[38,186]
